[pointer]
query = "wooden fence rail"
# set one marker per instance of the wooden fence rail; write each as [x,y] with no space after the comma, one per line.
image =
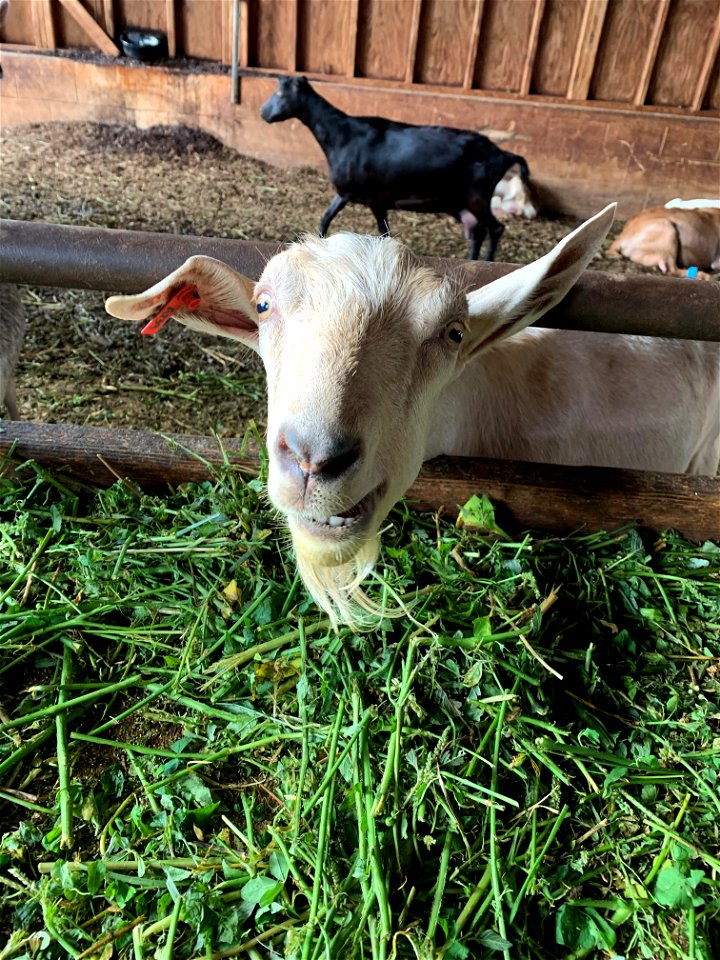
[535,496]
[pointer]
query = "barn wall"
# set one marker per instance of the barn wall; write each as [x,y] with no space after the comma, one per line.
[605,98]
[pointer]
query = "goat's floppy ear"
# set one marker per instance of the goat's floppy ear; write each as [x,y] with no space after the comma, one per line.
[505,306]
[203,294]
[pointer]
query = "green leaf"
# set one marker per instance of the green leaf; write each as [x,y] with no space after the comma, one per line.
[675,890]
[574,928]
[260,891]
[456,951]
[493,941]
[479,514]
[278,866]
[482,628]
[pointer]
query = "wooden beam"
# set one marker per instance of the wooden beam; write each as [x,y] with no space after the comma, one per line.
[661,16]
[353,7]
[105,15]
[586,49]
[93,29]
[20,47]
[707,66]
[473,44]
[43,25]
[413,41]
[536,496]
[293,36]
[226,30]
[244,38]
[171,27]
[530,53]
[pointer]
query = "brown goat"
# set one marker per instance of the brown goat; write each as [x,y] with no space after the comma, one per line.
[672,239]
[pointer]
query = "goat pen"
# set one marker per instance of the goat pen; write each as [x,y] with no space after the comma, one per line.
[537,496]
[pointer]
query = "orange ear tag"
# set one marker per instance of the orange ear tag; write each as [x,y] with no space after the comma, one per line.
[186,296]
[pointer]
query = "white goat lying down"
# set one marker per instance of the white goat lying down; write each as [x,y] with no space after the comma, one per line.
[375,363]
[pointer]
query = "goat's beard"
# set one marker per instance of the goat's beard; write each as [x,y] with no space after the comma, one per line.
[337,589]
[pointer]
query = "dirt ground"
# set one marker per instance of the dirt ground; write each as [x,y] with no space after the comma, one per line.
[79,365]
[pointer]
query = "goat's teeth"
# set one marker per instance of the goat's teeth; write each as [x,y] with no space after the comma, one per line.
[336,521]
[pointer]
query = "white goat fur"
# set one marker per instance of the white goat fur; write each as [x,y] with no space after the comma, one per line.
[358,338]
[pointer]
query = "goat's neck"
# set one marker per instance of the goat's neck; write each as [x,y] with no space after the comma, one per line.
[322,118]
[480,412]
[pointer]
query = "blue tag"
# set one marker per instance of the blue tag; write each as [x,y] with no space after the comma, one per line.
[692,273]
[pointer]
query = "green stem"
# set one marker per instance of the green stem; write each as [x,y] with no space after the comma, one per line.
[305,755]
[48,712]
[28,566]
[494,867]
[323,836]
[63,760]
[168,948]
[440,886]
[29,747]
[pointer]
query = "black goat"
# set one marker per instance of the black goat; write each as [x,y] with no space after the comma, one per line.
[387,165]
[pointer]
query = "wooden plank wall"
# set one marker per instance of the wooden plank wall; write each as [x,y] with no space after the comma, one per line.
[660,53]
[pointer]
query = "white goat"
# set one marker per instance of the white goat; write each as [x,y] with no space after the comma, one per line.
[514,196]
[375,363]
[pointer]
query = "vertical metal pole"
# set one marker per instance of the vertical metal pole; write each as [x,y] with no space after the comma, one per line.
[235,52]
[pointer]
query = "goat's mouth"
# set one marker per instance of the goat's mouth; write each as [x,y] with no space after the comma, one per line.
[341,526]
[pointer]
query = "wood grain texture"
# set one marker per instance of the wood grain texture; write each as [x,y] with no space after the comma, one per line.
[226,26]
[558,37]
[200,29]
[90,27]
[171,27]
[685,38]
[624,44]
[706,68]
[43,25]
[662,10]
[532,45]
[473,45]
[412,41]
[384,30]
[536,496]
[712,97]
[586,49]
[445,26]
[151,14]
[352,34]
[104,12]
[325,32]
[273,33]
[657,52]
[21,27]
[504,38]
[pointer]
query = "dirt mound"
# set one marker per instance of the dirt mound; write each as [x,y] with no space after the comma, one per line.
[158,141]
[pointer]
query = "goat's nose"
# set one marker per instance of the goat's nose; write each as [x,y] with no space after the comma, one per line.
[320,456]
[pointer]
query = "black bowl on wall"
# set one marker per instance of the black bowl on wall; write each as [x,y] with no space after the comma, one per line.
[145,45]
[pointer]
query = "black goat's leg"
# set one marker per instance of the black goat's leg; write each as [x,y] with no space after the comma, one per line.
[477,235]
[381,219]
[496,230]
[336,205]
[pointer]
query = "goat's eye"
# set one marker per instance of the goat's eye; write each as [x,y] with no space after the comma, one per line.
[454,332]
[263,305]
